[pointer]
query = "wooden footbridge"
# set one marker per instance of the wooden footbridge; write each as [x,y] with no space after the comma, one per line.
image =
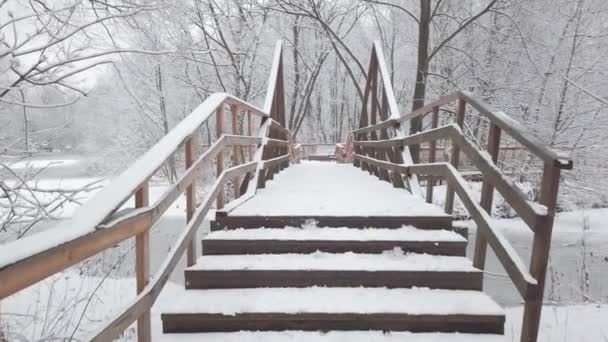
[314,250]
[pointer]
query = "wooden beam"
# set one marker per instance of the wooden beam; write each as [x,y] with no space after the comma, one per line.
[142,265]
[250,133]
[144,301]
[31,270]
[487,194]
[506,254]
[442,101]
[219,163]
[236,160]
[190,199]
[275,161]
[455,156]
[540,251]
[519,133]
[430,182]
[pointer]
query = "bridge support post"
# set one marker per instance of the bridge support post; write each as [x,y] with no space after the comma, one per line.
[219,163]
[540,252]
[190,200]
[142,264]
[236,159]
[430,180]
[455,157]
[487,196]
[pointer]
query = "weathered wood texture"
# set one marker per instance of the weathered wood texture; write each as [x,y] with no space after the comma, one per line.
[224,247]
[199,322]
[226,279]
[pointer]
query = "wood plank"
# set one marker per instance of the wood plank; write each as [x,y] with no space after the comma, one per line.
[430,182]
[219,162]
[487,196]
[226,279]
[506,254]
[442,101]
[144,301]
[519,133]
[223,247]
[455,155]
[39,266]
[142,265]
[190,199]
[422,222]
[198,322]
[275,161]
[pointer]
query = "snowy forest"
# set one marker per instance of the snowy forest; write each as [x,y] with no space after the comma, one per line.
[88,86]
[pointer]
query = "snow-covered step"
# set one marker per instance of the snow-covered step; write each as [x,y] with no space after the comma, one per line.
[389,269]
[332,336]
[224,220]
[325,309]
[336,240]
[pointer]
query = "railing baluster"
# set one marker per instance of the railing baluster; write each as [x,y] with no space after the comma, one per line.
[487,196]
[235,149]
[190,200]
[219,127]
[249,133]
[142,264]
[430,180]
[455,157]
[540,251]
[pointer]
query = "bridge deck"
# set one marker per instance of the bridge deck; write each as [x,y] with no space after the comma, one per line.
[332,189]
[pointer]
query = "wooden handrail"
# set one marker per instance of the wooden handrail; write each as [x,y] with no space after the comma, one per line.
[144,301]
[506,254]
[108,233]
[531,214]
[97,225]
[370,153]
[506,123]
[519,133]
[110,198]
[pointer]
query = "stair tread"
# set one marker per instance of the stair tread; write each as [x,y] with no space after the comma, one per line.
[394,260]
[337,300]
[326,189]
[406,233]
[332,336]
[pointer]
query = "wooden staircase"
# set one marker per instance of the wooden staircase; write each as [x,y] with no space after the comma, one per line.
[316,279]
[379,259]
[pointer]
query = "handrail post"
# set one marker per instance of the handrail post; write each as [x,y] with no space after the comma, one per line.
[540,251]
[142,264]
[190,200]
[235,149]
[249,133]
[430,180]
[455,157]
[219,127]
[487,196]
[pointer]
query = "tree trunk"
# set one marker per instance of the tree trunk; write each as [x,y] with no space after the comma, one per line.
[421,71]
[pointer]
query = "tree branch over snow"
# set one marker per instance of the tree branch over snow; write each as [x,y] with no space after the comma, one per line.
[462,27]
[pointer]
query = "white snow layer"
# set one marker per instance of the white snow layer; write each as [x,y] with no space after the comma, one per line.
[307,232]
[331,189]
[93,212]
[415,301]
[394,260]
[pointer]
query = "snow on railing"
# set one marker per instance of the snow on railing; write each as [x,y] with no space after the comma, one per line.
[379,155]
[97,225]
